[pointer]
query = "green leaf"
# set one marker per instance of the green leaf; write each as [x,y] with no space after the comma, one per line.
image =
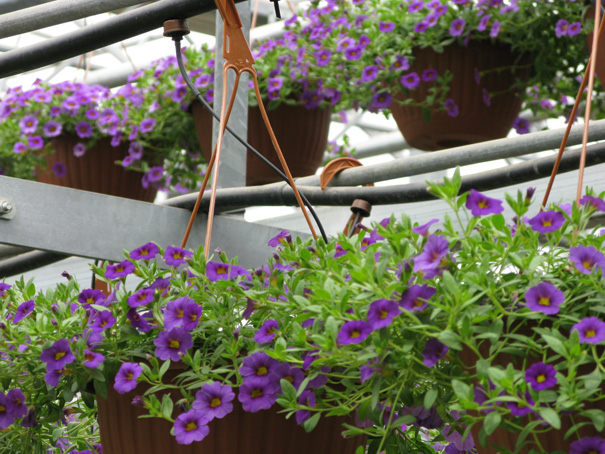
[555,344]
[164,368]
[462,390]
[451,339]
[287,389]
[491,422]
[57,433]
[167,407]
[550,416]
[429,398]
[100,388]
[404,420]
[310,423]
[498,221]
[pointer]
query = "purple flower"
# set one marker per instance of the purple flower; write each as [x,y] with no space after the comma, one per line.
[122,269]
[424,228]
[223,271]
[102,321]
[19,148]
[401,64]
[184,312]
[574,29]
[214,400]
[354,53]
[457,26]
[547,221]
[52,128]
[370,73]
[282,237]
[59,169]
[521,408]
[382,312]
[138,322]
[155,173]
[429,75]
[306,399]
[16,403]
[257,394]
[92,359]
[147,125]
[173,344]
[594,202]
[431,257]
[175,256]
[411,80]
[267,332]
[57,355]
[541,376]
[90,296]
[258,365]
[561,28]
[79,150]
[23,311]
[6,418]
[354,332]
[480,204]
[3,288]
[146,252]
[433,352]
[386,27]
[586,258]
[495,29]
[51,377]
[521,125]
[285,371]
[28,124]
[451,107]
[141,298]
[382,99]
[126,378]
[545,298]
[590,329]
[322,58]
[588,445]
[191,426]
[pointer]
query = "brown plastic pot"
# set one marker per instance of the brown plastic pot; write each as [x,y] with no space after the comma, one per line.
[302,135]
[476,121]
[240,432]
[96,170]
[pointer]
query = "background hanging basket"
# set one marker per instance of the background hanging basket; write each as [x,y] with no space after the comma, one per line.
[96,170]
[476,121]
[302,135]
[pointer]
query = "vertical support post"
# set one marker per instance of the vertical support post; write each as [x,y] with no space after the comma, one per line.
[233,155]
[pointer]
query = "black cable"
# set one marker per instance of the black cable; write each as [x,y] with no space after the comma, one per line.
[198,95]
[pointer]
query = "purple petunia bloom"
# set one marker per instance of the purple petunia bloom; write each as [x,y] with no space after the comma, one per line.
[282,237]
[52,128]
[137,321]
[457,26]
[6,418]
[433,352]
[541,376]
[16,403]
[122,269]
[495,29]
[382,312]
[102,320]
[586,258]
[267,332]
[480,204]
[285,371]
[183,312]
[28,124]
[175,256]
[191,426]
[354,332]
[141,298]
[83,130]
[51,377]
[588,445]
[521,125]
[431,257]
[90,296]
[411,80]
[23,311]
[59,169]
[322,58]
[146,252]
[256,395]
[3,288]
[521,408]
[451,108]
[126,378]
[574,28]
[547,221]
[416,297]
[544,298]
[306,399]
[424,228]
[561,28]
[353,53]
[429,75]
[401,64]
[79,150]
[382,99]
[147,125]
[223,271]
[155,173]
[92,359]
[370,73]
[57,355]
[214,400]
[172,344]
[591,330]
[19,148]
[386,27]
[258,365]
[596,203]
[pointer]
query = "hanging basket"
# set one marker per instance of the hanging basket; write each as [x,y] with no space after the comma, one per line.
[302,135]
[95,171]
[476,120]
[240,432]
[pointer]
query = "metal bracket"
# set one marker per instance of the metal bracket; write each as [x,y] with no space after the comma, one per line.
[7,209]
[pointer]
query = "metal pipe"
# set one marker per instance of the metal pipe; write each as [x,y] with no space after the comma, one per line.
[274,195]
[11,251]
[27,262]
[95,36]
[57,12]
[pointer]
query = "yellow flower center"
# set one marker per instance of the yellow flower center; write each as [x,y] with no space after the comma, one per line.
[355,333]
[129,376]
[544,301]
[541,378]
[482,204]
[256,393]
[546,223]
[59,355]
[190,426]
[289,378]
[174,343]
[119,268]
[587,264]
[262,371]
[383,314]
[215,402]
[590,333]
[2,408]
[177,255]
[144,252]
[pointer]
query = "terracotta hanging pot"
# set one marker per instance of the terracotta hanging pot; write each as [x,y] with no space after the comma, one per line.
[476,120]
[600,62]
[240,432]
[95,171]
[302,135]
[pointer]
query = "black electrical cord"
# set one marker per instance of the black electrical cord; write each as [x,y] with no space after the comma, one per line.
[198,95]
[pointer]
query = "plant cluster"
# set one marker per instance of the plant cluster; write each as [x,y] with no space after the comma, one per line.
[425,335]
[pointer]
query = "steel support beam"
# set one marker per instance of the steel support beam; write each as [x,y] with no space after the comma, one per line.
[71,222]
[95,36]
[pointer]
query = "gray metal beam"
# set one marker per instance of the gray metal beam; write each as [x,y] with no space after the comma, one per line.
[71,222]
[95,36]
[56,12]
